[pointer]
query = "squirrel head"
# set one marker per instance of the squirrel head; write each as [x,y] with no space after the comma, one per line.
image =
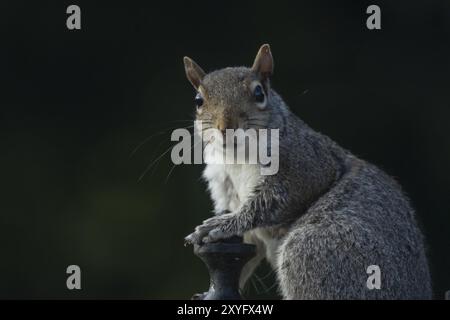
[233,98]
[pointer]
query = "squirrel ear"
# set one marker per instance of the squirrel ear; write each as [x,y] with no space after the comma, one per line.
[194,73]
[263,62]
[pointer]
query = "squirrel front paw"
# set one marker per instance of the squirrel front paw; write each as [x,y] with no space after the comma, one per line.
[212,230]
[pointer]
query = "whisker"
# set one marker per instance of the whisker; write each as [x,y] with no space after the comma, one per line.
[152,136]
[271,287]
[253,282]
[173,167]
[154,162]
[257,126]
[257,122]
[168,175]
[272,271]
[207,123]
[262,283]
[179,120]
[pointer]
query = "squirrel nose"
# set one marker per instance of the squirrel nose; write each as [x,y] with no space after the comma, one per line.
[222,128]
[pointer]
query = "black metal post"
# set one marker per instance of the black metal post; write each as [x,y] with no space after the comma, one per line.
[224,261]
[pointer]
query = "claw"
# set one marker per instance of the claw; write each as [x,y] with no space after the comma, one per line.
[189,240]
[209,231]
[193,238]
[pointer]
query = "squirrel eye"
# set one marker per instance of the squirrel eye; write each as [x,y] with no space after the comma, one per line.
[198,100]
[258,93]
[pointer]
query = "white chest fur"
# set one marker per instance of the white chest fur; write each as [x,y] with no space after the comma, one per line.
[230,186]
[244,177]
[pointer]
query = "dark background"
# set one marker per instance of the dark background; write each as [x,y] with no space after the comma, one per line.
[74,105]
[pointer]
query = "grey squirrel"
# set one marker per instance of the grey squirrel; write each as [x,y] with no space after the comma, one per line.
[324,217]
